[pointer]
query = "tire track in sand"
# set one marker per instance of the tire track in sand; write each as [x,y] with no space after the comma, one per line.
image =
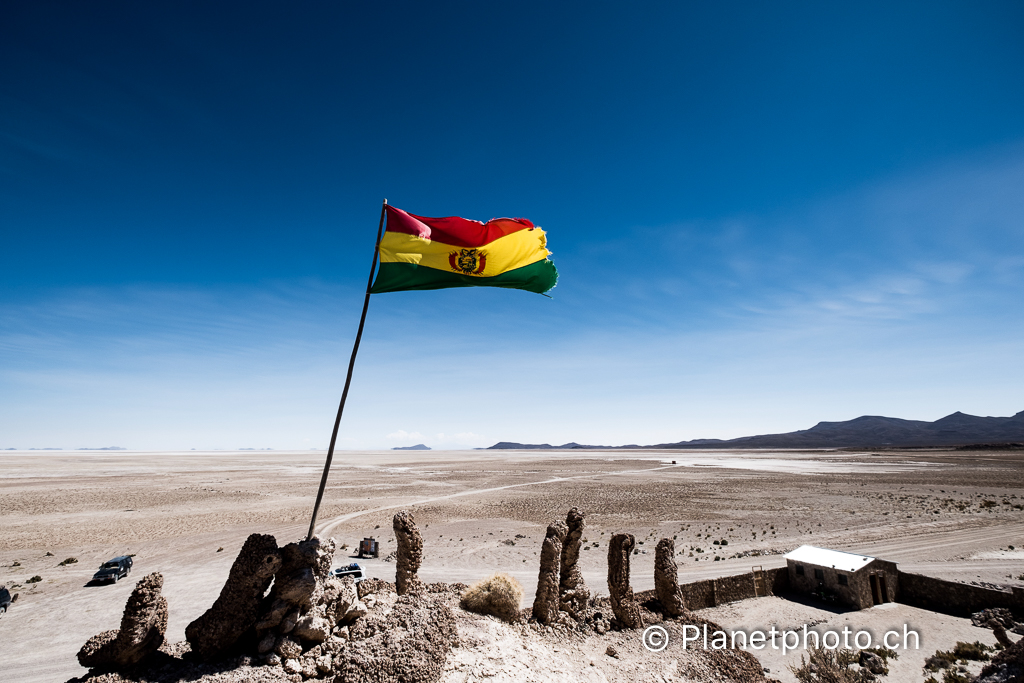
[326,527]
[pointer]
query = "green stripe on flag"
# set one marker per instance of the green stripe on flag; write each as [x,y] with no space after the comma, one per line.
[537,277]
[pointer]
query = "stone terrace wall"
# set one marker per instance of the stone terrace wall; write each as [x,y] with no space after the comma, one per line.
[926,592]
[711,592]
[950,597]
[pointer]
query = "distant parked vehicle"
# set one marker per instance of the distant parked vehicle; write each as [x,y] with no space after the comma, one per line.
[114,570]
[353,570]
[368,547]
[5,599]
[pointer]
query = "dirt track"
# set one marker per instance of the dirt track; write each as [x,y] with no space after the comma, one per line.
[175,510]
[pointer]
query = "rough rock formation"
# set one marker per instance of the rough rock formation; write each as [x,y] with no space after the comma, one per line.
[304,606]
[408,645]
[310,625]
[142,629]
[624,604]
[410,552]
[1006,667]
[1000,633]
[298,583]
[499,595]
[999,614]
[237,607]
[545,604]
[872,663]
[666,579]
[341,600]
[572,589]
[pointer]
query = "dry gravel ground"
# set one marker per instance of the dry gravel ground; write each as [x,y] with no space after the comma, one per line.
[484,511]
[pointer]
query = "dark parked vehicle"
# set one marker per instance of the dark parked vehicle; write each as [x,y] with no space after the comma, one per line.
[114,569]
[5,599]
[369,547]
[353,570]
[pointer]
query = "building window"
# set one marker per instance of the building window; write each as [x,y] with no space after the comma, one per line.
[842,579]
[799,570]
[819,575]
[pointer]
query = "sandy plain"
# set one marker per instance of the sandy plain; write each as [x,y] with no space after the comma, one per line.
[186,514]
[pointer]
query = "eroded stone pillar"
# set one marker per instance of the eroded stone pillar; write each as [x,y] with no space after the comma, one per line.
[545,604]
[573,594]
[624,603]
[143,625]
[237,607]
[409,554]
[666,579]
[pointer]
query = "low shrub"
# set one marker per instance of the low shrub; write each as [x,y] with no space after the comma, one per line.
[498,595]
[940,660]
[885,653]
[827,666]
[976,651]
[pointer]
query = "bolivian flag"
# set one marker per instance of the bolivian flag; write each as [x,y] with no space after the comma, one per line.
[434,253]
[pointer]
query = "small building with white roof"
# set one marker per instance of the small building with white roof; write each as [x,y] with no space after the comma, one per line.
[858,581]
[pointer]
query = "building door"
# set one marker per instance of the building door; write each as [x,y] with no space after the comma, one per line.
[876,593]
[882,588]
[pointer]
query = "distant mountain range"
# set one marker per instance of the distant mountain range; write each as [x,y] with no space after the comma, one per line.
[417,447]
[869,431]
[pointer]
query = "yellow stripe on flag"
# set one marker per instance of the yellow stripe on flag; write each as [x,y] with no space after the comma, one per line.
[506,253]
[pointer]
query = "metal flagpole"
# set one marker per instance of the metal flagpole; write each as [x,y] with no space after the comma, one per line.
[348,378]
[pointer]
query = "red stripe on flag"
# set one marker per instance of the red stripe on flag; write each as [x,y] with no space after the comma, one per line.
[458,232]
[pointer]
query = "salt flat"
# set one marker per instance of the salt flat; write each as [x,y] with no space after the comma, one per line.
[479,511]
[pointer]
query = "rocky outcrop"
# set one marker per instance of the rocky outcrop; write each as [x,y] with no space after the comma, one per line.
[573,594]
[872,663]
[143,625]
[666,579]
[624,604]
[309,624]
[1000,615]
[236,609]
[410,553]
[298,583]
[1006,667]
[408,645]
[1000,633]
[545,603]
[305,606]
[306,610]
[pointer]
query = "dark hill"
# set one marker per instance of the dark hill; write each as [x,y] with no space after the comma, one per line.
[868,431]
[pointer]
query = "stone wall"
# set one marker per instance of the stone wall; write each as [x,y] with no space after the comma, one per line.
[950,597]
[926,592]
[712,592]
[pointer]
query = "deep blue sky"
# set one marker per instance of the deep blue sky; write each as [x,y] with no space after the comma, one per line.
[764,214]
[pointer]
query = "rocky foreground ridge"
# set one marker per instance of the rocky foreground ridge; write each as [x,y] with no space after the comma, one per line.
[281,616]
